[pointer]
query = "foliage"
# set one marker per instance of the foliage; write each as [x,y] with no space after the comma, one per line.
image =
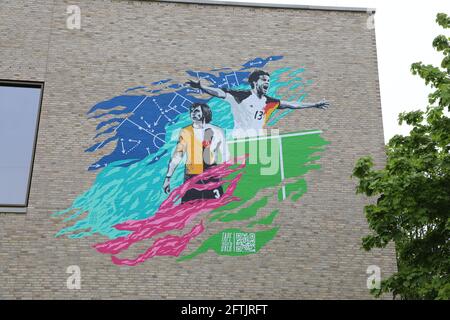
[413,191]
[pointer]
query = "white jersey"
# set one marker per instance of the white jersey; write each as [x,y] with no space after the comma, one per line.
[249,111]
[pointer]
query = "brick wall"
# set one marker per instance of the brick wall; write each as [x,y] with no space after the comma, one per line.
[122,44]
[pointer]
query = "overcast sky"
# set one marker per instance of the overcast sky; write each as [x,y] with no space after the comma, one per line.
[405,31]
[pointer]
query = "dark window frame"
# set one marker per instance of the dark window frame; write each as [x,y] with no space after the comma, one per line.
[25,84]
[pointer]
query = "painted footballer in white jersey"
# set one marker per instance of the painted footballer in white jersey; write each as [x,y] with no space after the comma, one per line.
[252,108]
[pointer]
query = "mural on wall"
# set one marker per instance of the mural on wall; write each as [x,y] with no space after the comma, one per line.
[194,165]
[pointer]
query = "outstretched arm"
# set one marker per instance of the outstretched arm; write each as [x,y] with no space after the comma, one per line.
[173,164]
[215,92]
[324,104]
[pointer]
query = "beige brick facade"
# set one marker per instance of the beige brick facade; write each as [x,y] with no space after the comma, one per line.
[121,44]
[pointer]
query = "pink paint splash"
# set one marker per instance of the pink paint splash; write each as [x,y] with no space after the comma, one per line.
[166,246]
[173,217]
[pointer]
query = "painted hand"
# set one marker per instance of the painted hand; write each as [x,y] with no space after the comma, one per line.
[166,185]
[323,104]
[194,84]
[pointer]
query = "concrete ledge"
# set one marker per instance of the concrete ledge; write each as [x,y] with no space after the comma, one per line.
[13,210]
[271,5]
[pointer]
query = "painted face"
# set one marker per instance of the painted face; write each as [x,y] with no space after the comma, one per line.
[262,85]
[197,114]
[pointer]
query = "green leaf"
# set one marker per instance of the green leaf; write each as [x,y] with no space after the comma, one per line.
[412,192]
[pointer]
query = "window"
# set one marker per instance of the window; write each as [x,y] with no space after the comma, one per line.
[20,104]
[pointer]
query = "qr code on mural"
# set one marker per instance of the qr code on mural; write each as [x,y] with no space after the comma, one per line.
[245,242]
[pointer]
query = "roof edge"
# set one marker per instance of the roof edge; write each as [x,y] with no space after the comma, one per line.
[271,5]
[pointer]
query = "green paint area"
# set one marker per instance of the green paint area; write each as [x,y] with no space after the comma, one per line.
[290,156]
[266,221]
[295,189]
[234,242]
[264,166]
[243,214]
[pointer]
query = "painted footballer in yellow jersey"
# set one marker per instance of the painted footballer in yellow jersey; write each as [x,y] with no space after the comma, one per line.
[201,142]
